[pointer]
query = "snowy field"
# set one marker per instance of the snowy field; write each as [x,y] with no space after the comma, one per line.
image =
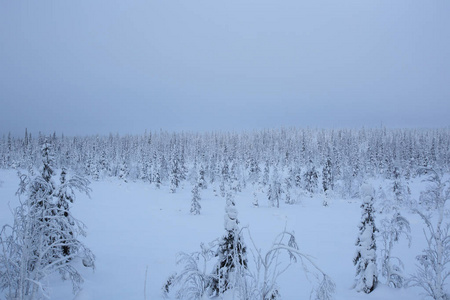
[134,229]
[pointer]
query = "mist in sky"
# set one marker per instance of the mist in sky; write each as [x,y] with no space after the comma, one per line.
[87,67]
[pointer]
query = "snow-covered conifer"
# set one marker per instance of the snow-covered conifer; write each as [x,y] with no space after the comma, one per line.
[254,170]
[235,181]
[123,170]
[274,191]
[231,252]
[201,178]
[225,180]
[310,179]
[397,187]
[266,174]
[65,195]
[327,177]
[365,258]
[157,180]
[287,191]
[44,236]
[47,162]
[174,174]
[195,205]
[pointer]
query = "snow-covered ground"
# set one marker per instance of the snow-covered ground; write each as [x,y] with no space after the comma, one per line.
[135,229]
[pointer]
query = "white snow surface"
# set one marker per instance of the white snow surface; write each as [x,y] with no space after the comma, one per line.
[134,229]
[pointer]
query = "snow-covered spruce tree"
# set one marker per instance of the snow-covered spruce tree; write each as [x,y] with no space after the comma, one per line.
[232,253]
[287,191]
[157,180]
[201,178]
[65,195]
[397,187]
[225,180]
[235,181]
[195,205]
[253,171]
[310,179]
[327,177]
[43,238]
[274,191]
[123,170]
[175,173]
[266,175]
[433,272]
[391,230]
[365,258]
[103,164]
[47,164]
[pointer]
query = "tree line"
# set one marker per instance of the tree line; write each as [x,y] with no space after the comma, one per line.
[317,160]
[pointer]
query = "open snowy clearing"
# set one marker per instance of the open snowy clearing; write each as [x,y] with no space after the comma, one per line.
[134,228]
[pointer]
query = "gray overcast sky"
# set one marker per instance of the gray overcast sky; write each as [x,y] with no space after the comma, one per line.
[86,67]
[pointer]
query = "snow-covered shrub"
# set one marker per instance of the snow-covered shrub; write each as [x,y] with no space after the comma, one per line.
[262,280]
[391,230]
[192,282]
[432,271]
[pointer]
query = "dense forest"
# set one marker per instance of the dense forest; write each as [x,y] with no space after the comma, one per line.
[316,160]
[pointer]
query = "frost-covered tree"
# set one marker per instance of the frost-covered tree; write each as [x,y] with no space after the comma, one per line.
[195,205]
[123,170]
[392,266]
[327,177]
[365,258]
[175,173]
[32,247]
[44,236]
[253,170]
[398,189]
[157,180]
[65,196]
[48,162]
[274,191]
[310,179]
[231,252]
[235,180]
[103,164]
[433,270]
[225,176]
[287,191]
[201,178]
[266,174]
